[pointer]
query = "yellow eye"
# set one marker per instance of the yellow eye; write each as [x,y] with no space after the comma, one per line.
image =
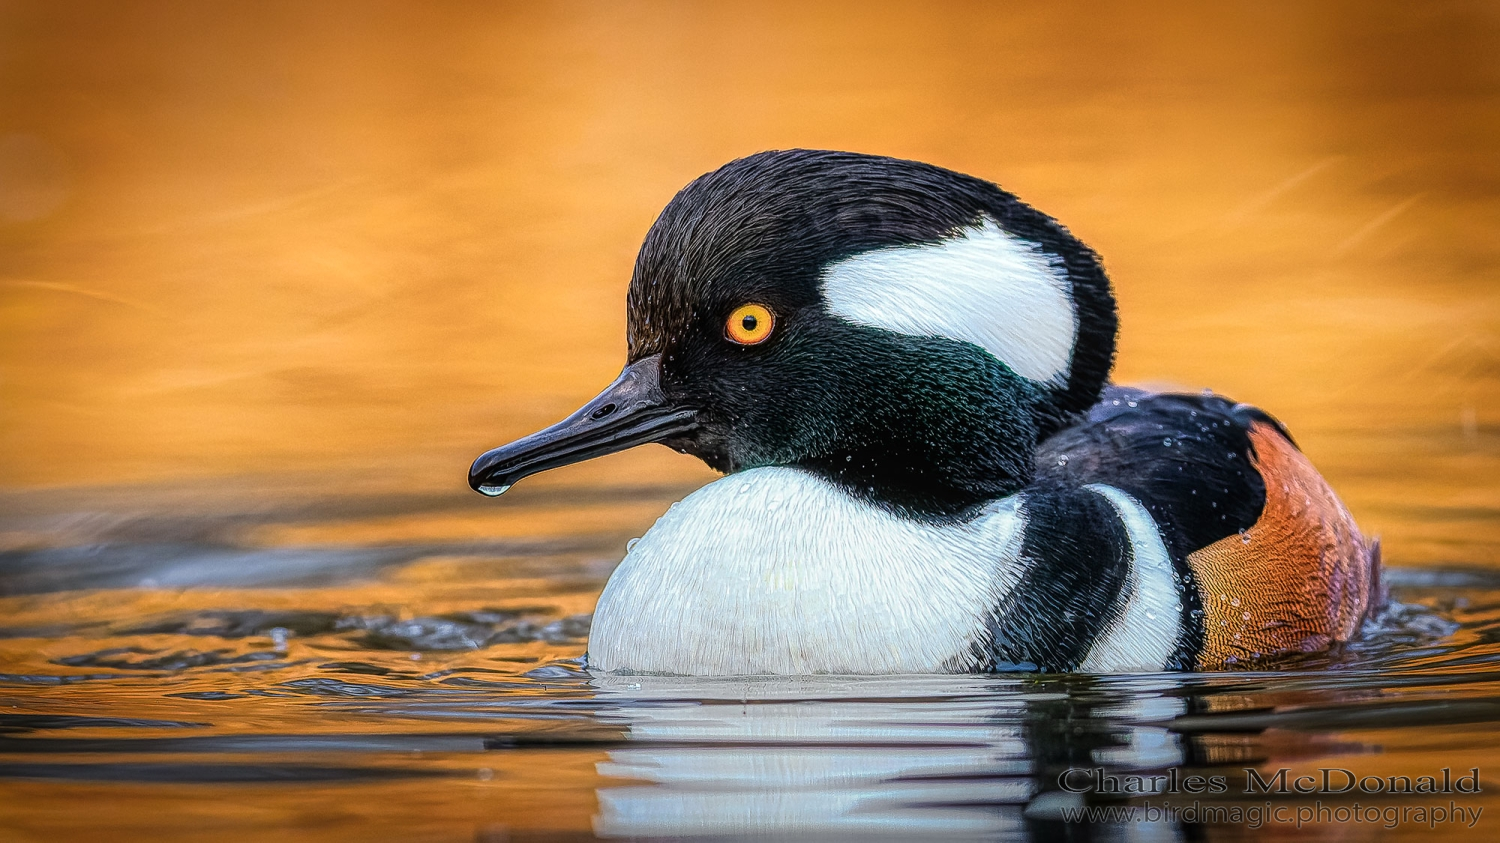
[750,324]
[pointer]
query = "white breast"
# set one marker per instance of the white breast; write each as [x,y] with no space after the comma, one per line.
[776,571]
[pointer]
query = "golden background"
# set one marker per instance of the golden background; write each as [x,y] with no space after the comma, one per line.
[357,244]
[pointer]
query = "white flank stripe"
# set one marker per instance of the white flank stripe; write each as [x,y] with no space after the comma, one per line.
[986,286]
[1145,633]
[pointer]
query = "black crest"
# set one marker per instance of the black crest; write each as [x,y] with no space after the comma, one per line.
[777,219]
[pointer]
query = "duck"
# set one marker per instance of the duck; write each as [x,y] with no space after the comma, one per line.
[903,373]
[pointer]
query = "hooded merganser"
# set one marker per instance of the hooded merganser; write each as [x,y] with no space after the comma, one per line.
[903,372]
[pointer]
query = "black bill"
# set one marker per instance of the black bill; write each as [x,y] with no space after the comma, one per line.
[631,411]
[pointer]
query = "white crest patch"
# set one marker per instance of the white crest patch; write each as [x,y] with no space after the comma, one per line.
[1144,635]
[777,571]
[986,286]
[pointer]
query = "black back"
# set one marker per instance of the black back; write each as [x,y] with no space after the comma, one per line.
[1186,458]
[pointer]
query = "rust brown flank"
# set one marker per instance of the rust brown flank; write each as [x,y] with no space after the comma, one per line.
[1299,580]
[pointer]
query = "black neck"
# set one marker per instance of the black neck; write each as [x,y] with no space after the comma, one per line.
[935,442]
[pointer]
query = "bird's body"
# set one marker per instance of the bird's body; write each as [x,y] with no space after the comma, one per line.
[776,570]
[903,372]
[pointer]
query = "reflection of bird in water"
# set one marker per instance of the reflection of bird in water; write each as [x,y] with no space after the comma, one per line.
[867,759]
[903,370]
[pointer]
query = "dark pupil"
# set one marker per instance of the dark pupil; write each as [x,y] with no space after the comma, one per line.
[749,323]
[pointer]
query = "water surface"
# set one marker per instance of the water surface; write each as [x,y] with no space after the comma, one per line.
[432,689]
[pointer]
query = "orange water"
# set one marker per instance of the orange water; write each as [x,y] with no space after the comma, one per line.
[271,275]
